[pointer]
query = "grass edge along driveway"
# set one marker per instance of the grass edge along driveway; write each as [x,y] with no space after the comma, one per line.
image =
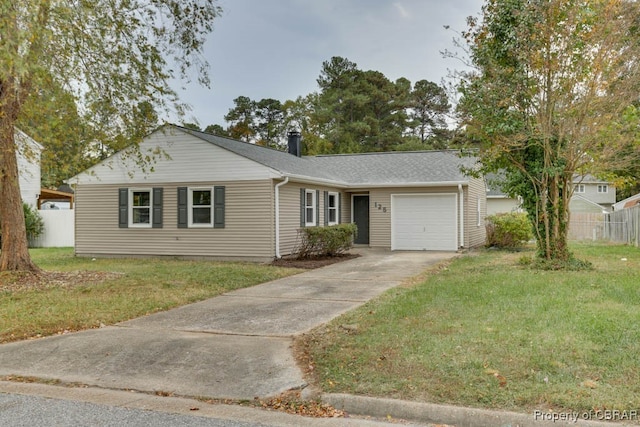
[132,288]
[488,332]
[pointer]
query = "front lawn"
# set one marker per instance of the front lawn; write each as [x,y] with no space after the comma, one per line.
[487,332]
[98,292]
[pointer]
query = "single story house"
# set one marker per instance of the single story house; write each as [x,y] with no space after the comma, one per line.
[199,195]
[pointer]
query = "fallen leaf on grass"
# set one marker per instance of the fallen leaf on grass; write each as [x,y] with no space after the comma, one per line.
[502,381]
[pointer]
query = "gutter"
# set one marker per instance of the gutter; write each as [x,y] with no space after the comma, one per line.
[461,196]
[277,197]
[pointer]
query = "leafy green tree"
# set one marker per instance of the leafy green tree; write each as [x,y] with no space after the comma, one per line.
[241,119]
[50,116]
[429,106]
[216,129]
[111,54]
[550,77]
[359,110]
[269,122]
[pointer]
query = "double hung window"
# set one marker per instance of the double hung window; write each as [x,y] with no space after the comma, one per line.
[310,201]
[200,207]
[333,204]
[140,208]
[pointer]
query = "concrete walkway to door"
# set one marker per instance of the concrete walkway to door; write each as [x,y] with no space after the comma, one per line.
[234,346]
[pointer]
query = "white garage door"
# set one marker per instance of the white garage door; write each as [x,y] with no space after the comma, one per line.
[424,222]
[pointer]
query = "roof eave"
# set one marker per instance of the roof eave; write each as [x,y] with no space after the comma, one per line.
[408,184]
[311,180]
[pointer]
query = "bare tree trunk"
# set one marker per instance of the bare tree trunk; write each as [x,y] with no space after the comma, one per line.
[14,255]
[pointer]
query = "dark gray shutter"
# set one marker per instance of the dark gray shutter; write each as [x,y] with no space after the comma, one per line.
[183,205]
[303,213]
[123,207]
[157,208]
[326,208]
[318,207]
[339,207]
[218,207]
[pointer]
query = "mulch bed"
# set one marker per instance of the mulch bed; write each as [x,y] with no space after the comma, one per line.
[312,262]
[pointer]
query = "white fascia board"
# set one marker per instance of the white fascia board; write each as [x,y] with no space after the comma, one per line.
[316,181]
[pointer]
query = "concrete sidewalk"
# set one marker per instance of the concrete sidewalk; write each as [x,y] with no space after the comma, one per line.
[234,346]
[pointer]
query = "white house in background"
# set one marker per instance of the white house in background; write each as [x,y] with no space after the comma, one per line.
[594,191]
[29,152]
[590,195]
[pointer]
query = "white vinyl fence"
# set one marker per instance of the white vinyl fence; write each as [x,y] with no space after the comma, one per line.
[59,229]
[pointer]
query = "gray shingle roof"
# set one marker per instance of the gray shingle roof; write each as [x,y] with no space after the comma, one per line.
[386,168]
[398,167]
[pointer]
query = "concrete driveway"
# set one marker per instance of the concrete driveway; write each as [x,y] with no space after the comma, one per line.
[235,346]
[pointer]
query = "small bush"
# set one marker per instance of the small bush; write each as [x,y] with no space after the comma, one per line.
[508,230]
[326,241]
[33,222]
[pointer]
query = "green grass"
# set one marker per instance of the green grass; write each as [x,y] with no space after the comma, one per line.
[487,332]
[144,286]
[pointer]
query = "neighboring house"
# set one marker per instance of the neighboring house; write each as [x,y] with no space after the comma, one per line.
[28,157]
[593,190]
[629,202]
[210,196]
[590,195]
[497,201]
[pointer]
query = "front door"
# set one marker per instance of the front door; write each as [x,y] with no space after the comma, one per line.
[361,219]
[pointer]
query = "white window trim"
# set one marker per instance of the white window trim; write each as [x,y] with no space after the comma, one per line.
[479,212]
[313,206]
[131,208]
[580,188]
[605,187]
[336,208]
[190,207]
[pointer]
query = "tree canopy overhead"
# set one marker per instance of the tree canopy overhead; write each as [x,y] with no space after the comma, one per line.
[551,80]
[117,59]
[353,111]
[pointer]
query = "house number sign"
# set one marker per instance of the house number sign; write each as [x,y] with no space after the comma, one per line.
[380,207]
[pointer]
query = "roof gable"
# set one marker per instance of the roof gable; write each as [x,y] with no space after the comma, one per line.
[172,155]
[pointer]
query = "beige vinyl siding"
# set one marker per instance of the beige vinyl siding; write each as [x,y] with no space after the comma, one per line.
[345,207]
[474,234]
[248,232]
[290,213]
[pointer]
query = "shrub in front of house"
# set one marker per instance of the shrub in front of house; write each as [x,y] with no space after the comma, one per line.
[326,241]
[508,230]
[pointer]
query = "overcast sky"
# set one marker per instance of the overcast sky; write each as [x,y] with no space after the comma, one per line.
[275,48]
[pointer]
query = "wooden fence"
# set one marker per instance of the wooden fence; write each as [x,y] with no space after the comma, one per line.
[623,226]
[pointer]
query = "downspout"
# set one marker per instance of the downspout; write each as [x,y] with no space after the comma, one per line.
[286,179]
[461,196]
